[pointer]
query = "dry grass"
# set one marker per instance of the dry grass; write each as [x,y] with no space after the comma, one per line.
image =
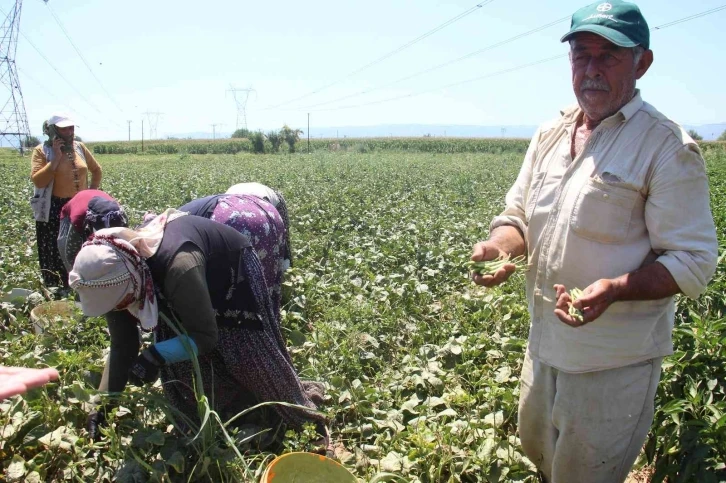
[641,475]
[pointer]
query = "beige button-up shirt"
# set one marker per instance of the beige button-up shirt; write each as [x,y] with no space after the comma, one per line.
[637,193]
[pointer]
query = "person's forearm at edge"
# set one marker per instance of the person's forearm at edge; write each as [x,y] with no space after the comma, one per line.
[651,282]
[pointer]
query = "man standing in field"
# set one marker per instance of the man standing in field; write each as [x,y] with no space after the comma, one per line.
[612,198]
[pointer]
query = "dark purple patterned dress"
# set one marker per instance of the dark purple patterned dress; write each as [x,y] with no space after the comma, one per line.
[261,222]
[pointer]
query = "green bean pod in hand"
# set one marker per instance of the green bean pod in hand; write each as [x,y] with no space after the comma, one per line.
[574,312]
[490,267]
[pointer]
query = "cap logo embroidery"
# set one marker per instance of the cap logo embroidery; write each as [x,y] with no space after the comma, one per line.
[596,16]
[604,7]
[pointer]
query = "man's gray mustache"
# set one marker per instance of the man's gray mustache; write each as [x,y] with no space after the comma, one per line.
[594,85]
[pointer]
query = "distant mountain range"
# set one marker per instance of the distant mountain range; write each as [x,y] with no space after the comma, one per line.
[709,131]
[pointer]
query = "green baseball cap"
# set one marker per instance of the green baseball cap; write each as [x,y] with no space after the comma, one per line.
[619,22]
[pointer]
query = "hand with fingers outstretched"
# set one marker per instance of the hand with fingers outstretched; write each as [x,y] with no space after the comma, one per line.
[17,380]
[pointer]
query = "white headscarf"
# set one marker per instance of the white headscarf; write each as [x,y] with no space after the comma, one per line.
[110,274]
[257,190]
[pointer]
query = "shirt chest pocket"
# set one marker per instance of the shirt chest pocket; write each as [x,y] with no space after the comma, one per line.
[603,212]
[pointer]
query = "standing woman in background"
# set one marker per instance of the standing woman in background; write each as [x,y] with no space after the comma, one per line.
[65,163]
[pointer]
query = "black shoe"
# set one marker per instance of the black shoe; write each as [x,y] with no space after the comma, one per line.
[95,420]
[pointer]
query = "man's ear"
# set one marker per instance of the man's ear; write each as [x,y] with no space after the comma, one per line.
[646,60]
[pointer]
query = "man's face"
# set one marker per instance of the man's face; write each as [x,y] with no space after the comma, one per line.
[604,74]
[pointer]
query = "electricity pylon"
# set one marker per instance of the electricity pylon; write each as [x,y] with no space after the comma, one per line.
[13,119]
[240,99]
[153,118]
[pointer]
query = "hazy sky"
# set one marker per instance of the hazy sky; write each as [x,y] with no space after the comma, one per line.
[179,58]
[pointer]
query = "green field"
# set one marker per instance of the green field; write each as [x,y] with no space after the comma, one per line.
[421,365]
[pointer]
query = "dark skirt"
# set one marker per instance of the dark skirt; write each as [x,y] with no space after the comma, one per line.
[52,269]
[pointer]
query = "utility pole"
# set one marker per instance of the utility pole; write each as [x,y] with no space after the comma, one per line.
[240,99]
[129,130]
[308,133]
[142,135]
[214,129]
[13,119]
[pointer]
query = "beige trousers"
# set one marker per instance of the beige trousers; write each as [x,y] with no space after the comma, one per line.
[587,427]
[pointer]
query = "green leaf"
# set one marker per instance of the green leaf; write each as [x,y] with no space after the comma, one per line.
[156,438]
[16,468]
[447,413]
[33,477]
[297,338]
[393,462]
[176,461]
[434,402]
[387,478]
[131,472]
[62,438]
[503,374]
[494,419]
[80,392]
[337,381]
[411,404]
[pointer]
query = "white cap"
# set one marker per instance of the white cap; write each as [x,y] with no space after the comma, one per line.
[61,120]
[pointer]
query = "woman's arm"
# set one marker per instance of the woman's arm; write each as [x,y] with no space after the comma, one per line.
[41,171]
[185,287]
[93,167]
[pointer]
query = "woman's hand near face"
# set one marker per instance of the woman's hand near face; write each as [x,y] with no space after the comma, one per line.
[58,143]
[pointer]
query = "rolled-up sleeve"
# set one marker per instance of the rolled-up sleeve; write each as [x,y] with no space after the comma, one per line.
[679,220]
[516,199]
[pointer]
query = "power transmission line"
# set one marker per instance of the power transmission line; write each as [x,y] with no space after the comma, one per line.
[414,94]
[389,54]
[80,94]
[54,95]
[493,74]
[59,74]
[445,64]
[686,19]
[81,56]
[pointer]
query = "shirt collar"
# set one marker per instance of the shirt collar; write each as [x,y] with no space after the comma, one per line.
[571,113]
[629,109]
